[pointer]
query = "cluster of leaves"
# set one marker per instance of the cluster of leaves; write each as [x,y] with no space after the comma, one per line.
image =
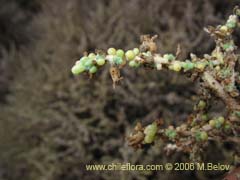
[218,77]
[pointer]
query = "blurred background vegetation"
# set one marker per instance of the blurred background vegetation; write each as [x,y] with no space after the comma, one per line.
[52,124]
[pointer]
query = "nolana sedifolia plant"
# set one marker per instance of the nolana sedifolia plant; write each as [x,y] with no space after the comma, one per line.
[217,73]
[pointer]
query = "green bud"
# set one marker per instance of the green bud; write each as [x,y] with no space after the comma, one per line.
[92,55]
[84,59]
[133,64]
[204,136]
[169,57]
[100,61]
[88,63]
[176,66]
[111,51]
[221,119]
[77,69]
[130,55]
[212,123]
[93,69]
[147,54]
[170,133]
[149,139]
[231,24]
[201,105]
[136,51]
[120,53]
[150,133]
[224,29]
[200,65]
[218,124]
[201,136]
[187,65]
[117,60]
